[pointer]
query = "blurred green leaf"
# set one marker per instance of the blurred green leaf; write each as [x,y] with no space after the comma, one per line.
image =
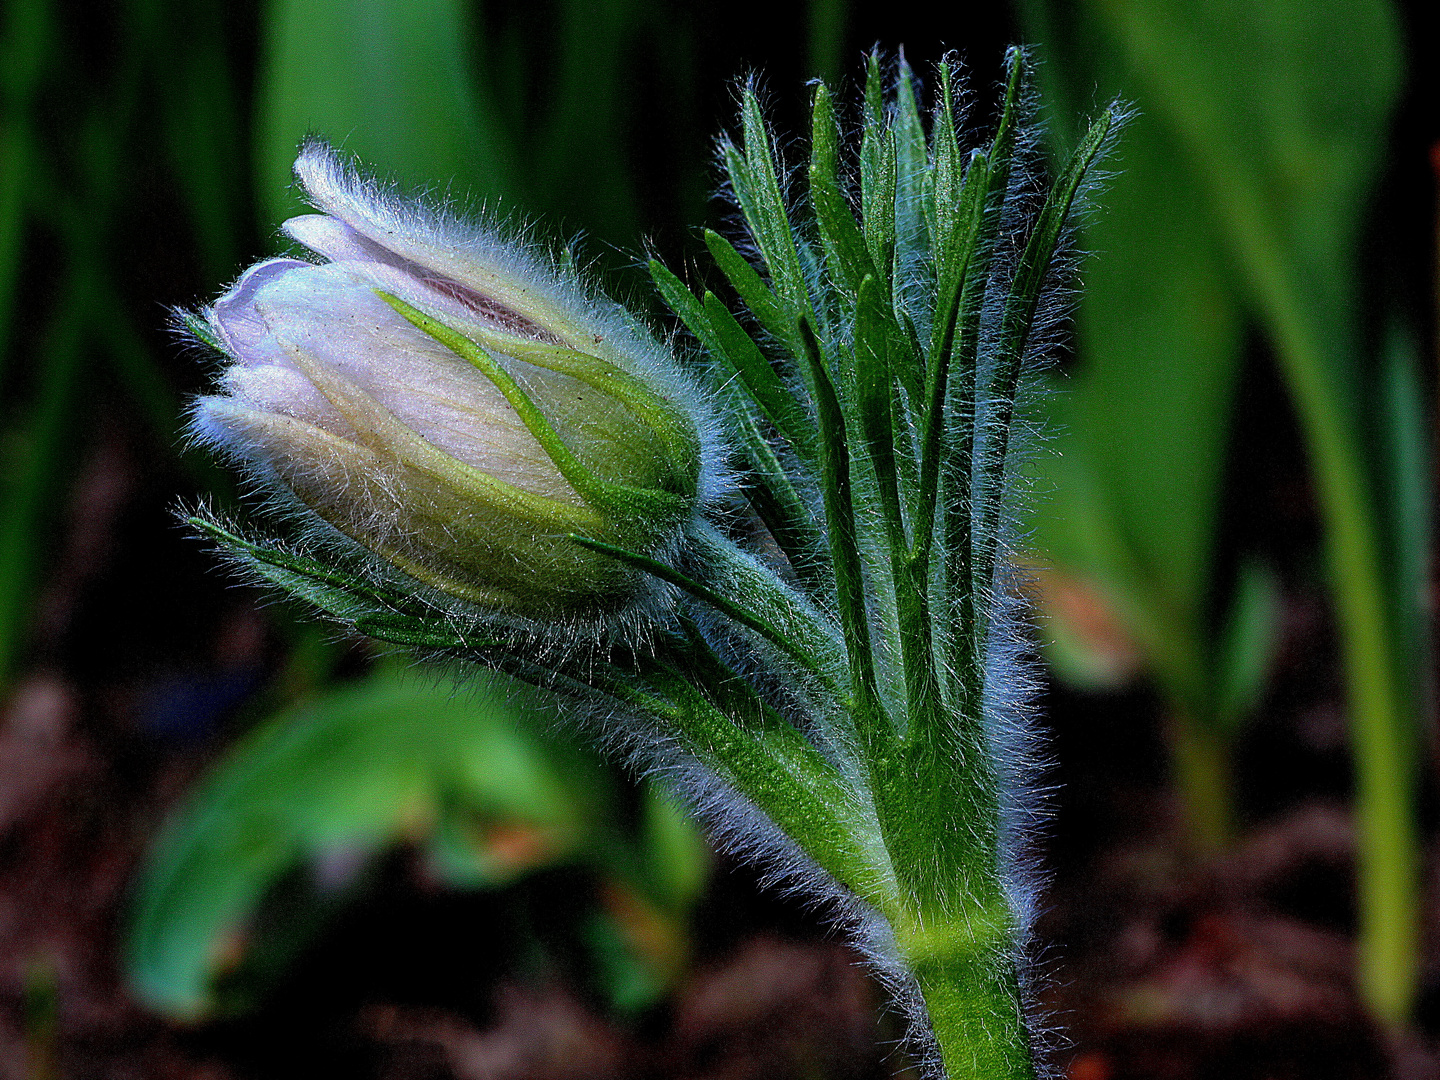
[676,853]
[352,772]
[1279,112]
[1247,645]
[387,80]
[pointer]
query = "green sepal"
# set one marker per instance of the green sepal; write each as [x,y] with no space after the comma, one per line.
[683,303]
[909,377]
[873,333]
[774,767]
[953,274]
[332,589]
[622,501]
[416,632]
[874,401]
[673,428]
[944,201]
[965,635]
[377,611]
[727,341]
[198,327]
[728,569]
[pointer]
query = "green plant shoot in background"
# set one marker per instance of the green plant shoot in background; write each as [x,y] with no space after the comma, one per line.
[289,824]
[1239,199]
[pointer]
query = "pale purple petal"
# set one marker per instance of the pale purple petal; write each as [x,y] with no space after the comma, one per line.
[233,315]
[337,241]
[333,316]
[459,257]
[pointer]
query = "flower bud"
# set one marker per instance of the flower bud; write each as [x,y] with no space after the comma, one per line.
[454,403]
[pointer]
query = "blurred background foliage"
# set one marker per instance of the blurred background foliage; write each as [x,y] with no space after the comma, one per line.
[1266,238]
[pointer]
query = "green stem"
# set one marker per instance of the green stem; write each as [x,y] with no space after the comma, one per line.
[1312,331]
[1382,728]
[968,981]
[1202,773]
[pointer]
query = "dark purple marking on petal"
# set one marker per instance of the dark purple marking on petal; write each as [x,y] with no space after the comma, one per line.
[491,310]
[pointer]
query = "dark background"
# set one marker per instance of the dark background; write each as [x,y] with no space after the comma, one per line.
[137,151]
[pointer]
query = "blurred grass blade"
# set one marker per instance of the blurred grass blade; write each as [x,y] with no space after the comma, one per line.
[387,80]
[205,138]
[24,48]
[581,166]
[826,41]
[1247,645]
[30,496]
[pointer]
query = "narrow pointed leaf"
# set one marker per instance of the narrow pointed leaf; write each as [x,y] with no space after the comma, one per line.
[1015,326]
[774,314]
[782,774]
[844,543]
[845,249]
[789,643]
[757,187]
[775,399]
[912,166]
[877,176]
[786,515]
[726,340]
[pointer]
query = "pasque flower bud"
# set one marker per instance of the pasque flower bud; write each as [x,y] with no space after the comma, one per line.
[454,402]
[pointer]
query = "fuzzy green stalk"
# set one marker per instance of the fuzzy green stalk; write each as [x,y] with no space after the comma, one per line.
[971,992]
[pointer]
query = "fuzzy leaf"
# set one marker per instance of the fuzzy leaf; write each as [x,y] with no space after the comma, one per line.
[845,250]
[775,399]
[877,186]
[912,167]
[1015,326]
[769,310]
